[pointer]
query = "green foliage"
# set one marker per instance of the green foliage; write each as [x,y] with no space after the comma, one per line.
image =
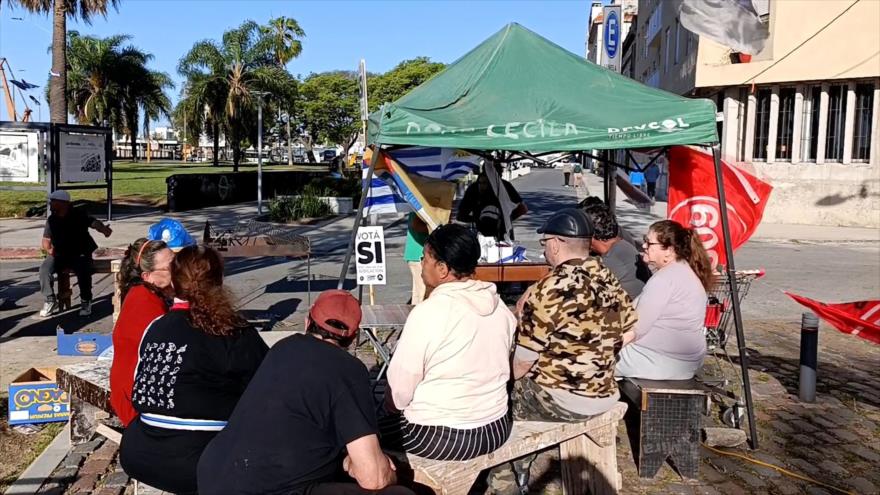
[329,107]
[289,208]
[400,80]
[223,82]
[329,186]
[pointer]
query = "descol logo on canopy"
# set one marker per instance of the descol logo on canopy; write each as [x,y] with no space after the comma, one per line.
[641,130]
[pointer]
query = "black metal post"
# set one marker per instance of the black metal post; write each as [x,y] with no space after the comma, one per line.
[108,171]
[809,357]
[734,297]
[360,215]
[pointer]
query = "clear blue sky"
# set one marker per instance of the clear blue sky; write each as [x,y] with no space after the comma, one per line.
[338,33]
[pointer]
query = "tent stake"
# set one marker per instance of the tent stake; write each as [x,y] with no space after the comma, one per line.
[734,297]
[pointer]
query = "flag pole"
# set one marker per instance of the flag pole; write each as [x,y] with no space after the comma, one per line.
[734,297]
[365,189]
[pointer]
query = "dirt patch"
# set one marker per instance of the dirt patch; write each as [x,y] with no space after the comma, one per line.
[20,449]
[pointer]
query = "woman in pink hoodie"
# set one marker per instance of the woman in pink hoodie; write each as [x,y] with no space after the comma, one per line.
[449,373]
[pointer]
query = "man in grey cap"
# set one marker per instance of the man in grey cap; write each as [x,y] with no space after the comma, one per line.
[571,326]
[68,245]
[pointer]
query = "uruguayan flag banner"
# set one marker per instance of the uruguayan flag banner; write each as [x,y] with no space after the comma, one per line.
[385,194]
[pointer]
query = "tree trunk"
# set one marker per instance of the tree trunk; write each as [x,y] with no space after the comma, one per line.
[132,137]
[310,153]
[289,143]
[236,155]
[216,144]
[58,78]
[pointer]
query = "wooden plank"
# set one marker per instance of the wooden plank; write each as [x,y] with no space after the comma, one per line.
[511,272]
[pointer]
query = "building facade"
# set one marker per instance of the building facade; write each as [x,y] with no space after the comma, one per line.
[802,113]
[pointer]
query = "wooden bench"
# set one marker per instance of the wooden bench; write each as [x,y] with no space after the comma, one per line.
[587,451]
[670,416]
[100,265]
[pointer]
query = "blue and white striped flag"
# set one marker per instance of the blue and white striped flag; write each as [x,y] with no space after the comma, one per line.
[434,163]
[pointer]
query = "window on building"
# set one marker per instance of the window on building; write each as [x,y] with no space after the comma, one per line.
[785,124]
[762,124]
[666,43]
[836,122]
[862,123]
[810,124]
[677,42]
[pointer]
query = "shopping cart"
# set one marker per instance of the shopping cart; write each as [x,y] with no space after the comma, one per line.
[724,378]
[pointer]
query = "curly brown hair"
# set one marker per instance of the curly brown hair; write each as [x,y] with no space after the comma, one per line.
[197,275]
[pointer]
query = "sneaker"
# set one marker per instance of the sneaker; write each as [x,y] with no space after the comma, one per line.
[85,308]
[49,308]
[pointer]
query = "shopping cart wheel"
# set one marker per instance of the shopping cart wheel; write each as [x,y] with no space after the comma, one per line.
[733,416]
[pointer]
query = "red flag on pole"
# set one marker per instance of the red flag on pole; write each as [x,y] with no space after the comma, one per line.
[861,318]
[693,199]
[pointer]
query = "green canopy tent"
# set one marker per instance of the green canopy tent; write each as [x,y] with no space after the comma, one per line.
[519,92]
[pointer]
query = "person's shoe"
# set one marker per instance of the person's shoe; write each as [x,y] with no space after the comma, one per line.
[85,308]
[49,308]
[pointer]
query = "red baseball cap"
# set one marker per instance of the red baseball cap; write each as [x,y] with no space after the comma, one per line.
[339,307]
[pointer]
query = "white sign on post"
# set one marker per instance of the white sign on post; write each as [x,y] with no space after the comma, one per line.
[19,156]
[369,250]
[82,157]
[612,39]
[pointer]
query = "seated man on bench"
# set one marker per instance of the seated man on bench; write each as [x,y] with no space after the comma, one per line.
[571,328]
[68,245]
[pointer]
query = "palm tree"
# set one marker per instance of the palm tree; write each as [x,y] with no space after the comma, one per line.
[94,86]
[153,100]
[61,9]
[221,79]
[284,35]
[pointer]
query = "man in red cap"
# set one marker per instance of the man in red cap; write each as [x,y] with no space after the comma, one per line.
[307,422]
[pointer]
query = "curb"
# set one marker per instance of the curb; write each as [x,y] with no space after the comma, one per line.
[35,475]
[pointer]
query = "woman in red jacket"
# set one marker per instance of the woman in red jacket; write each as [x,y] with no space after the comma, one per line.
[145,283]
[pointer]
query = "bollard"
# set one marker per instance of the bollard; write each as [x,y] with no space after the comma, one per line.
[809,357]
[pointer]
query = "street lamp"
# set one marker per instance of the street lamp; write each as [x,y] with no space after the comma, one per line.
[259,95]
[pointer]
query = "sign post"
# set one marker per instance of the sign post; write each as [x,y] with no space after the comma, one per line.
[369,248]
[612,42]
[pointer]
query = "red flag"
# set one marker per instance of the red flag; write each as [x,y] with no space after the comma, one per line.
[693,199]
[861,318]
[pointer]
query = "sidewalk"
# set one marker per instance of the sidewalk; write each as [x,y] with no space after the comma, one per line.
[637,220]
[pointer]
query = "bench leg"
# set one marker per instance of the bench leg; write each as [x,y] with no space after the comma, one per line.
[65,293]
[84,420]
[589,464]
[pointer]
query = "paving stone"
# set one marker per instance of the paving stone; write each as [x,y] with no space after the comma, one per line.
[861,485]
[833,467]
[116,478]
[803,426]
[846,435]
[64,473]
[781,426]
[731,488]
[706,490]
[865,453]
[826,438]
[802,439]
[73,459]
[823,422]
[95,466]
[118,490]
[786,415]
[751,479]
[84,484]
[804,466]
[785,486]
[88,447]
[106,451]
[815,490]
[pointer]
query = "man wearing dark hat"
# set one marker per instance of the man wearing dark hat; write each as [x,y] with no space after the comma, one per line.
[571,326]
[307,422]
[68,245]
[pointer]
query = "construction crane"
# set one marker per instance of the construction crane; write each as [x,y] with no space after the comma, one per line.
[10,98]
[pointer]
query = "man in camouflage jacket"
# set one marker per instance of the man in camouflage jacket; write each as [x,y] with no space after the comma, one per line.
[571,329]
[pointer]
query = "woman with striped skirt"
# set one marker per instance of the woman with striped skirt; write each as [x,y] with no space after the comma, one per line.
[447,382]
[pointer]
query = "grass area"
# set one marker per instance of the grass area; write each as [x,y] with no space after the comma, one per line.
[133,182]
[19,450]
